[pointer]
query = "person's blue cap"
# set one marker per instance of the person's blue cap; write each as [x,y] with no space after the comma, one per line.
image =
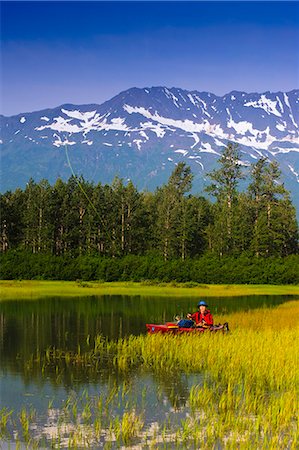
[202,303]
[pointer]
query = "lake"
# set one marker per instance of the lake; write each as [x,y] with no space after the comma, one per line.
[41,394]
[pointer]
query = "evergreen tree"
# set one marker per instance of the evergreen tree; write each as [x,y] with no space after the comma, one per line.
[274,218]
[129,218]
[97,238]
[151,243]
[197,218]
[59,207]
[76,218]
[224,189]
[136,221]
[74,208]
[45,211]
[172,210]
[31,216]
[242,224]
[11,219]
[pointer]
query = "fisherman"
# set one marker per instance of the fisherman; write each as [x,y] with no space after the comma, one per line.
[203,317]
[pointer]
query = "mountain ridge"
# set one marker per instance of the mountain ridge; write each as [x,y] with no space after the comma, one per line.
[292,91]
[141,133]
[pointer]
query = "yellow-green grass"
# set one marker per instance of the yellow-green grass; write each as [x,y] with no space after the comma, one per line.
[12,289]
[249,394]
[254,333]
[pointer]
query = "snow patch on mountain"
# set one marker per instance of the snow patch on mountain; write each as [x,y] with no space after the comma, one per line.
[62,125]
[268,105]
[286,99]
[183,152]
[294,172]
[191,99]
[219,143]
[86,141]
[283,150]
[196,139]
[143,134]
[75,114]
[138,142]
[155,128]
[186,125]
[59,142]
[172,97]
[201,164]
[149,125]
[89,121]
[280,127]
[207,148]
[280,104]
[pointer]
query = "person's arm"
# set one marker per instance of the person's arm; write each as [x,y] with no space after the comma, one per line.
[191,316]
[201,323]
[209,319]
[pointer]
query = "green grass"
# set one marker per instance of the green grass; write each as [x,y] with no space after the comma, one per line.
[37,289]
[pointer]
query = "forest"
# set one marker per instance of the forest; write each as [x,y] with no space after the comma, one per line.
[79,230]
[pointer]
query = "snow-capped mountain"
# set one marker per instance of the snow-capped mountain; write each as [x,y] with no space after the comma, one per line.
[142,133]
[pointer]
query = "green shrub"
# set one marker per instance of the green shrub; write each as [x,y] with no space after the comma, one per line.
[151,270]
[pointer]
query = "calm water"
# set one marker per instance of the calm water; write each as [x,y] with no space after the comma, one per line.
[30,326]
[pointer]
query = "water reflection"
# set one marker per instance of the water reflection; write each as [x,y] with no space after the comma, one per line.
[33,326]
[29,328]
[156,398]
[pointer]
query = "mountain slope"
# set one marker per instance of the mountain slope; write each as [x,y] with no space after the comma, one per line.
[141,133]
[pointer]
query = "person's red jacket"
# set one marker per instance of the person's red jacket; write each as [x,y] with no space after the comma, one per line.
[206,317]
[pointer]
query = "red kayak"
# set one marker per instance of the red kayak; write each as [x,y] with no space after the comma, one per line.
[173,328]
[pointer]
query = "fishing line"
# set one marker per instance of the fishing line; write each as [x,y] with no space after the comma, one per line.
[78,182]
[80,185]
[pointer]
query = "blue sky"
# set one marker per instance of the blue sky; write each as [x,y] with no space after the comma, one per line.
[87,52]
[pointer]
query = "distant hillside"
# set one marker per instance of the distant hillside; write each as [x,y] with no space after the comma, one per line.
[142,133]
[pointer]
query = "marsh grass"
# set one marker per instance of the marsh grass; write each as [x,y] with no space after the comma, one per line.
[248,397]
[5,416]
[33,289]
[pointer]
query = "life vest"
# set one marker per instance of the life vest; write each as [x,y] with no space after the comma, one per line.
[206,317]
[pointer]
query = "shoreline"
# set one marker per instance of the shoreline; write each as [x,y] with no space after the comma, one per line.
[34,289]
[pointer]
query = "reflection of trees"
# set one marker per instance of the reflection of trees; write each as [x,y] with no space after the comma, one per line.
[10,336]
[66,323]
[174,385]
[70,368]
[66,372]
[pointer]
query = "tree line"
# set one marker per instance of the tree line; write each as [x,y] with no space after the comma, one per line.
[78,219]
